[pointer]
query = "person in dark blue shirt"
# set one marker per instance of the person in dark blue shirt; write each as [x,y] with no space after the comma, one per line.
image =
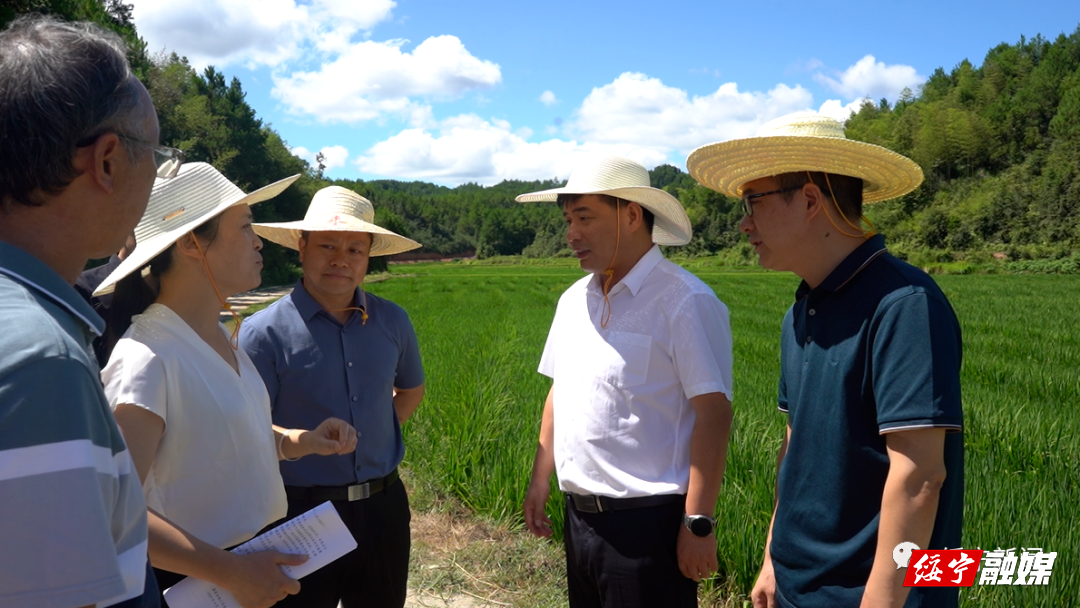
[330,347]
[869,374]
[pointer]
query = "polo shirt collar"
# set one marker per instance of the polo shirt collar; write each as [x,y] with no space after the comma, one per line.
[637,275]
[36,275]
[306,305]
[851,266]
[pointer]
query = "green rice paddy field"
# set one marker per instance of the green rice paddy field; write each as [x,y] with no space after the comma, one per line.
[482,328]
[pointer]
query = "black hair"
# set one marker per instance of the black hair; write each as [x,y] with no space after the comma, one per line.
[847,190]
[133,294]
[646,215]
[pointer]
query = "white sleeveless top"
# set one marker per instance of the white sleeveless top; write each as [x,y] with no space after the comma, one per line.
[216,472]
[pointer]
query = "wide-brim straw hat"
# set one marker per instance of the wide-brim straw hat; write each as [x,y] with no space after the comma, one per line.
[803,142]
[337,209]
[623,178]
[179,205]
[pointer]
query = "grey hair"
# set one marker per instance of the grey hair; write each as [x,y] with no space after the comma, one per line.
[60,83]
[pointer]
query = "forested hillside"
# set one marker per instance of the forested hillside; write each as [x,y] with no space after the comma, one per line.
[999,143]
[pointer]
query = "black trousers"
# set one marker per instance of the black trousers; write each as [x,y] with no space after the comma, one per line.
[626,559]
[376,573]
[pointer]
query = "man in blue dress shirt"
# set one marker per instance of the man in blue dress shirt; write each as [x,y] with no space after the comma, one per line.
[331,347]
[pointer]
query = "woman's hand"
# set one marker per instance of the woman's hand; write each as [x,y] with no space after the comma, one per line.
[256,580]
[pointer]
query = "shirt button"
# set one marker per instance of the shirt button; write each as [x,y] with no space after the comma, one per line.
[808,340]
[350,362]
[354,398]
[811,313]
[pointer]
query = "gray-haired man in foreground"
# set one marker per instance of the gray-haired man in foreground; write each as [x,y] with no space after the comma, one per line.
[78,156]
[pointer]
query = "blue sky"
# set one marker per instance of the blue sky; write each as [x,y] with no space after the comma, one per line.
[470,91]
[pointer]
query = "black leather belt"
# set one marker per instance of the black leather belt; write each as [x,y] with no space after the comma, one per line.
[588,503]
[359,491]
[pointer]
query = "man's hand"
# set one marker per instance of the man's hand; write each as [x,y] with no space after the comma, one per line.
[764,593]
[257,581]
[543,467]
[535,517]
[697,554]
[333,436]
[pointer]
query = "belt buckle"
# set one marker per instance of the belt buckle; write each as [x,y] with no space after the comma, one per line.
[359,491]
[588,503]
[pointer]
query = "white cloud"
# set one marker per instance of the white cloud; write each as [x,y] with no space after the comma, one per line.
[836,108]
[467,148]
[872,78]
[253,32]
[634,116]
[333,156]
[548,98]
[638,110]
[369,79]
[320,64]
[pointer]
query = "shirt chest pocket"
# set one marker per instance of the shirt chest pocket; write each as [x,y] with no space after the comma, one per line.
[625,359]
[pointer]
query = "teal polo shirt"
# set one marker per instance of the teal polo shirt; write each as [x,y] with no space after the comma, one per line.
[73,525]
[874,349]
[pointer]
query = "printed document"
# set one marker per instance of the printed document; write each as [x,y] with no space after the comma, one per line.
[318,533]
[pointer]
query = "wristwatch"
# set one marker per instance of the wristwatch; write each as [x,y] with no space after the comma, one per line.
[699,525]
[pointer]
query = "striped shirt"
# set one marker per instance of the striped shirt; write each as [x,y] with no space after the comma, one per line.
[73,519]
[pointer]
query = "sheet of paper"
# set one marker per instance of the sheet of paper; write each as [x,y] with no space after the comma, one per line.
[319,533]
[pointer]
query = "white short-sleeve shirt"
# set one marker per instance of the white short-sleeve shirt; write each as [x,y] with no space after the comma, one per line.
[622,415]
[216,470]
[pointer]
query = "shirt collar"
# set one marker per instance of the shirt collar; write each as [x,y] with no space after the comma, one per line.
[35,274]
[851,266]
[307,306]
[637,275]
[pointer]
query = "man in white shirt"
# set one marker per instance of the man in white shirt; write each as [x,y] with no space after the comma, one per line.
[637,420]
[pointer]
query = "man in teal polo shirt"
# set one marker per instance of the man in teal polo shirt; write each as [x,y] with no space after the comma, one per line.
[78,137]
[869,376]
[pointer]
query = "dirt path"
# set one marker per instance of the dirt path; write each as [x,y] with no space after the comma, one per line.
[241,301]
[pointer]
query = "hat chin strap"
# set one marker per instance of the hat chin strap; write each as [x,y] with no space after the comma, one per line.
[234,340]
[362,309]
[864,234]
[605,313]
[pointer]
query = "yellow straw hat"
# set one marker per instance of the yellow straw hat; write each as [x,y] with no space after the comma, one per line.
[803,142]
[337,209]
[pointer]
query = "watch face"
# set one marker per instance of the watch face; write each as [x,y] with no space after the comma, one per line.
[700,526]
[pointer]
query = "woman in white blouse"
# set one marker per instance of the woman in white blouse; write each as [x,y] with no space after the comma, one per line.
[192,407]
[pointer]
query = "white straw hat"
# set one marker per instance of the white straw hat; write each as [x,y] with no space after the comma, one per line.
[623,178]
[803,142]
[179,205]
[337,209]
